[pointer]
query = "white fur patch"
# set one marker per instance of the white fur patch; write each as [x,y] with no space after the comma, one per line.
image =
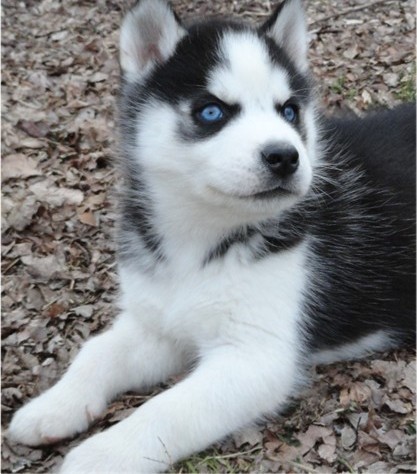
[378,341]
[246,74]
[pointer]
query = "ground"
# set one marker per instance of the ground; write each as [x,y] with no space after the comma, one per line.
[60,80]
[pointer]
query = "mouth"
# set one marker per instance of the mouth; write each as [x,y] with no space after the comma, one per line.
[271,193]
[277,191]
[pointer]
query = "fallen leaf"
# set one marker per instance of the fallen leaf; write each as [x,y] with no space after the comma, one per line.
[251,436]
[88,218]
[351,52]
[397,405]
[366,97]
[47,192]
[378,467]
[409,377]
[21,215]
[18,166]
[311,436]
[55,310]
[391,438]
[368,443]
[348,437]
[34,129]
[44,267]
[31,142]
[84,311]
[327,450]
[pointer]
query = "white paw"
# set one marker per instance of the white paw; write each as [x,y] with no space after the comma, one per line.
[57,414]
[111,452]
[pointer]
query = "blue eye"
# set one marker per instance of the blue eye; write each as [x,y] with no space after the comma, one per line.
[290,113]
[211,113]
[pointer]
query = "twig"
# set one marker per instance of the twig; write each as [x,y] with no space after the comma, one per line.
[350,10]
[308,469]
[11,265]
[234,455]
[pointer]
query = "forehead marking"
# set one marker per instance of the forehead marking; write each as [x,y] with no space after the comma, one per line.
[246,73]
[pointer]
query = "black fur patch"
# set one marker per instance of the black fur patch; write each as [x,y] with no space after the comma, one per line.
[363,231]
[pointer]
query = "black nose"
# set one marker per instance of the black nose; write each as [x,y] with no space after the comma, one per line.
[281,159]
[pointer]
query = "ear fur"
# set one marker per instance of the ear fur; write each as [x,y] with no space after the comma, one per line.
[287,27]
[148,36]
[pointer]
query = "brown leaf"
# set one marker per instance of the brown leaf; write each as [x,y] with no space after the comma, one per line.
[378,467]
[368,443]
[311,436]
[397,405]
[88,218]
[409,377]
[44,267]
[98,77]
[18,166]
[31,142]
[351,52]
[391,371]
[33,129]
[347,437]
[366,97]
[327,450]
[46,191]
[358,392]
[391,438]
[85,310]
[55,310]
[21,215]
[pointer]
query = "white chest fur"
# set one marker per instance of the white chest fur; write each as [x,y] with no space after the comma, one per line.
[223,303]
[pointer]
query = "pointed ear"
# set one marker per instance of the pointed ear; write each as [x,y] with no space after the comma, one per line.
[149,35]
[287,27]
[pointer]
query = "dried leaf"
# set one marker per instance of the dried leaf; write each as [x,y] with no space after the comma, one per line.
[391,438]
[18,166]
[55,309]
[84,311]
[34,129]
[251,436]
[327,450]
[348,437]
[21,215]
[398,406]
[44,267]
[45,191]
[311,436]
[88,218]
[366,97]
[31,142]
[409,377]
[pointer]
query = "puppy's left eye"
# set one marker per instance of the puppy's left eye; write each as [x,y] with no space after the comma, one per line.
[290,112]
[210,113]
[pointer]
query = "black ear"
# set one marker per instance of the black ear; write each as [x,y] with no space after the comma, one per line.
[148,36]
[287,27]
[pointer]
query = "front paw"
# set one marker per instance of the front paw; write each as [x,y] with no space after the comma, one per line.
[111,452]
[57,414]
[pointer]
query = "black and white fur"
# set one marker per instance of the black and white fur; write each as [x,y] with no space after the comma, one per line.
[231,268]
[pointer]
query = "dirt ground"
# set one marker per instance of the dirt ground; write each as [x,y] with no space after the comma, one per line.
[60,80]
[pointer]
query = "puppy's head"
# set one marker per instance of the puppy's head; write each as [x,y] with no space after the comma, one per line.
[219,112]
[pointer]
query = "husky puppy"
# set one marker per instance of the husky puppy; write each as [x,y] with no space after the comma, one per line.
[256,238]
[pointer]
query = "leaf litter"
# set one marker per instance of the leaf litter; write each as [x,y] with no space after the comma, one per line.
[60,80]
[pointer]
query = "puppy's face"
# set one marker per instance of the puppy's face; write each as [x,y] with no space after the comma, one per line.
[223,115]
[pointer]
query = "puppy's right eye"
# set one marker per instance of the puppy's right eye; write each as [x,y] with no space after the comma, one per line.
[210,113]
